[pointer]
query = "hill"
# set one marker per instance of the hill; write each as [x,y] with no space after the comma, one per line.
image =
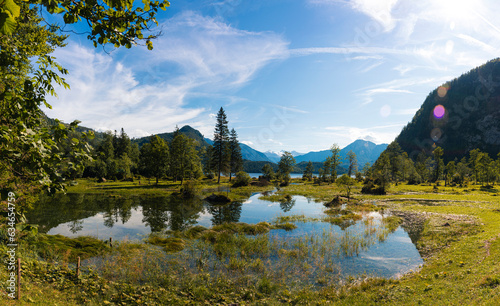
[186,130]
[459,116]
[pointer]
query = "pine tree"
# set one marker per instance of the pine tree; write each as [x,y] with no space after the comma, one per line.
[176,149]
[438,163]
[220,146]
[122,144]
[236,159]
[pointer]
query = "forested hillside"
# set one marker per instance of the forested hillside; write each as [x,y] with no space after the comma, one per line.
[458,116]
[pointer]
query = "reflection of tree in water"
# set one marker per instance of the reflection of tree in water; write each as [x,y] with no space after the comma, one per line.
[158,212]
[287,205]
[125,211]
[172,212]
[155,212]
[184,212]
[118,210]
[75,226]
[225,213]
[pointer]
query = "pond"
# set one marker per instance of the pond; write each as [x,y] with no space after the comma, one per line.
[377,252]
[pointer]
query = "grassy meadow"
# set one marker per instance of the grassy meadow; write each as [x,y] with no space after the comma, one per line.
[243,264]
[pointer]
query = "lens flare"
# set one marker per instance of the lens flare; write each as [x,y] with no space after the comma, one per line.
[439,111]
[436,134]
[442,91]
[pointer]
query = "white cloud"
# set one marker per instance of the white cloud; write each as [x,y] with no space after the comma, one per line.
[379,10]
[248,143]
[148,91]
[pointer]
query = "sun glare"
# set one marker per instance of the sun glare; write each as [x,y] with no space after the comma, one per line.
[457,10]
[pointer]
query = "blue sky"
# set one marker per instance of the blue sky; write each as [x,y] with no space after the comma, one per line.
[291,75]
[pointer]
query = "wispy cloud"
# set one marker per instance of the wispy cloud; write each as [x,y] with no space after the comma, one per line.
[149,91]
[380,10]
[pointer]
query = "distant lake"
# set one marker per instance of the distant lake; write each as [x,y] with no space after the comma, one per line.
[292,175]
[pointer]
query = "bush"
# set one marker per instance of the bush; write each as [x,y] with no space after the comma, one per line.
[189,190]
[242,179]
[414,179]
[371,188]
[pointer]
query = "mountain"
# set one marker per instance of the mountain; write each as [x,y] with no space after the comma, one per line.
[319,156]
[247,152]
[461,115]
[365,151]
[272,156]
[186,130]
[250,154]
[276,156]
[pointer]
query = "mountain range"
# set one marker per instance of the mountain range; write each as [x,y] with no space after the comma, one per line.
[365,151]
[276,156]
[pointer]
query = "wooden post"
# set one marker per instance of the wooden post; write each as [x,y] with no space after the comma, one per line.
[18,279]
[110,242]
[78,267]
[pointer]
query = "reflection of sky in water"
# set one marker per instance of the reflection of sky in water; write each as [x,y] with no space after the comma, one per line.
[253,211]
[94,226]
[395,256]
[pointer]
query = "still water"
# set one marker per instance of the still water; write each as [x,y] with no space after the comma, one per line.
[133,217]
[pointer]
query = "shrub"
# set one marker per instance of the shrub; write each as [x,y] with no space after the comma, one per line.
[189,190]
[242,179]
[371,188]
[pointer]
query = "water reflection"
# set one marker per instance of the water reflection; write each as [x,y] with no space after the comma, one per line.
[286,206]
[120,216]
[225,213]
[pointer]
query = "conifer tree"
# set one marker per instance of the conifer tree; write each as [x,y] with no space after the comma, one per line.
[220,146]
[236,159]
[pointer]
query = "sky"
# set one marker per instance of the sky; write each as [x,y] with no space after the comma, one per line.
[290,75]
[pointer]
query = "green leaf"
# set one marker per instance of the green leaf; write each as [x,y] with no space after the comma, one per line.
[75,141]
[146,5]
[7,23]
[149,44]
[12,8]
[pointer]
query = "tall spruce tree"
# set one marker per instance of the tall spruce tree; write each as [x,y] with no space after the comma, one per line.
[220,146]
[236,159]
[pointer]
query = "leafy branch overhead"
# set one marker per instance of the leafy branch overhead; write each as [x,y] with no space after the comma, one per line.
[33,153]
[117,22]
